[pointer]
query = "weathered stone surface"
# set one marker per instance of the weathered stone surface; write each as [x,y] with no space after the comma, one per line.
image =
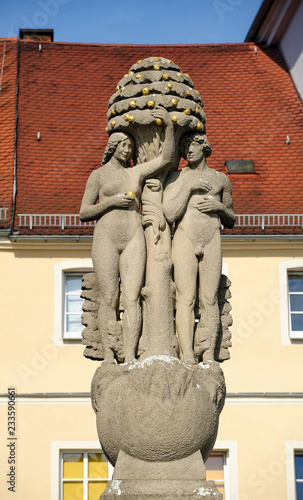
[150,83]
[161,489]
[92,338]
[159,409]
[189,468]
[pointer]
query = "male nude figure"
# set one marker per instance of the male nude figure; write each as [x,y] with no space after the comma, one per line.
[198,199]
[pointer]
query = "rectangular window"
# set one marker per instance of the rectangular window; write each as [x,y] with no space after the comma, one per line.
[295,304]
[299,475]
[84,475]
[216,469]
[72,306]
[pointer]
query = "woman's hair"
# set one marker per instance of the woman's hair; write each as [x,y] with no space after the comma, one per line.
[112,144]
[200,138]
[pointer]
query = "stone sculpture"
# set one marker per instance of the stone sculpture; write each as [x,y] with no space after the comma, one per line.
[193,197]
[160,391]
[119,246]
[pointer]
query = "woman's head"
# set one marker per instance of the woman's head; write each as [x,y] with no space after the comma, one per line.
[113,141]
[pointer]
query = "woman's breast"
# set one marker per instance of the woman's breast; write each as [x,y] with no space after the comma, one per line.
[123,185]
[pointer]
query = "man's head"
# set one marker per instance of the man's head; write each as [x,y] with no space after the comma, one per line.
[194,146]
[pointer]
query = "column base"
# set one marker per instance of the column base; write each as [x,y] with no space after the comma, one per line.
[127,489]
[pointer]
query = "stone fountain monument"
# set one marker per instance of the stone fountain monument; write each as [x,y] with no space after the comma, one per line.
[156,309]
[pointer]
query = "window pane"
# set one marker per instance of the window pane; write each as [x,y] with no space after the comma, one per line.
[299,466]
[73,323]
[297,322]
[214,467]
[74,303]
[295,283]
[73,284]
[73,490]
[97,465]
[299,488]
[220,487]
[72,465]
[95,489]
[296,302]
[215,472]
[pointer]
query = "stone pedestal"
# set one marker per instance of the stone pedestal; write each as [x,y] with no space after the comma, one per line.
[161,490]
[140,480]
[157,422]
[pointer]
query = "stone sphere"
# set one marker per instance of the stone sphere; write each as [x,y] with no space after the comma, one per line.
[159,409]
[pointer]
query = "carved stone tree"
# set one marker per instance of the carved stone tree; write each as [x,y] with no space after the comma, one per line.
[152,82]
[157,415]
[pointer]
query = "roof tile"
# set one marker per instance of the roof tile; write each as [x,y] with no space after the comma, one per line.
[249,99]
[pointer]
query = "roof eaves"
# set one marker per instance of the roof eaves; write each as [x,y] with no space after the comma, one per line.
[260,16]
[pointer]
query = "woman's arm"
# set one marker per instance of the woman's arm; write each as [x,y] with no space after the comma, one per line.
[155,166]
[90,210]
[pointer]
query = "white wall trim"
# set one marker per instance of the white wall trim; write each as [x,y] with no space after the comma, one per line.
[290,448]
[283,268]
[231,472]
[245,401]
[86,400]
[59,270]
[56,447]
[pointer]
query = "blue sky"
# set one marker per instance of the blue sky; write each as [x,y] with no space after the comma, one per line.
[132,21]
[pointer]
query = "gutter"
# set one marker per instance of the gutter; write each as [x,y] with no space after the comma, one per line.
[51,238]
[262,237]
[41,395]
[14,238]
[16,137]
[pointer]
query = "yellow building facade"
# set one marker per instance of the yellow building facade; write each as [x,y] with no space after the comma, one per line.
[260,431]
[49,444]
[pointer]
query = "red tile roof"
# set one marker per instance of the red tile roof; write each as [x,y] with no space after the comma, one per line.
[249,98]
[8,84]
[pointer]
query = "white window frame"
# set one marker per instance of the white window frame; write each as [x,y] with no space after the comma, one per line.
[287,338]
[58,448]
[294,334]
[291,447]
[230,467]
[60,269]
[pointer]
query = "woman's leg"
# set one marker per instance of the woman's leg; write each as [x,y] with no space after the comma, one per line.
[106,266]
[132,267]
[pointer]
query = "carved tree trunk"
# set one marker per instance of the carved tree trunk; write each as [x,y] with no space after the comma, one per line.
[158,332]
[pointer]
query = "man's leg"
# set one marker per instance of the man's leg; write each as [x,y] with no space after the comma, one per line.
[185,273]
[209,279]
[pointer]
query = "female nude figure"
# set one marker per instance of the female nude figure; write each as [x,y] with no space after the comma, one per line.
[118,245]
[198,198]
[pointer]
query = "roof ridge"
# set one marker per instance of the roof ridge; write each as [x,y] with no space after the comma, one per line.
[172,45]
